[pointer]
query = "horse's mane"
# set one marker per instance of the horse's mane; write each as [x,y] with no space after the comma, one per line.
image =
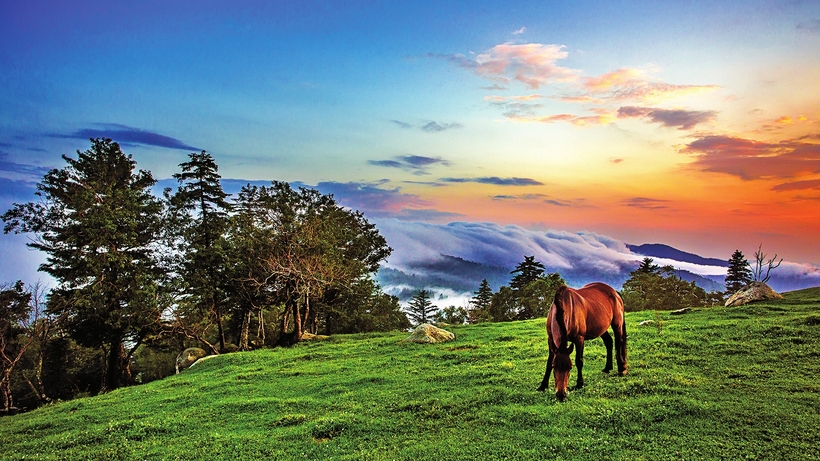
[561,295]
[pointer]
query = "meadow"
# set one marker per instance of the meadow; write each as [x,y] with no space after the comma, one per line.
[716,383]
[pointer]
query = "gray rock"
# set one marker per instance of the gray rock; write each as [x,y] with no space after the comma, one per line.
[647,323]
[188,357]
[428,334]
[755,291]
[680,311]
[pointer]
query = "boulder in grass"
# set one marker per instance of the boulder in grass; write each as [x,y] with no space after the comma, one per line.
[428,334]
[755,291]
[188,357]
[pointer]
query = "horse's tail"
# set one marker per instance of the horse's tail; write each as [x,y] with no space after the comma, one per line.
[563,313]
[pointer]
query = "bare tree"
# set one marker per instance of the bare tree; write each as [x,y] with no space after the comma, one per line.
[22,321]
[761,264]
[41,326]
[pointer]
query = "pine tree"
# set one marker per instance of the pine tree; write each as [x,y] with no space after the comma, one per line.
[99,224]
[739,274]
[420,309]
[647,266]
[200,212]
[480,303]
[526,272]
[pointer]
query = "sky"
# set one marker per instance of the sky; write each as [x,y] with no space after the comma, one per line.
[694,124]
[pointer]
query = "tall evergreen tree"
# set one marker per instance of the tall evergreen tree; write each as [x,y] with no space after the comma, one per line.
[421,309]
[526,272]
[739,274]
[99,225]
[480,303]
[647,266]
[200,211]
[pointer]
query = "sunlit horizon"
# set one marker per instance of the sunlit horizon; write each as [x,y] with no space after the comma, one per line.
[693,125]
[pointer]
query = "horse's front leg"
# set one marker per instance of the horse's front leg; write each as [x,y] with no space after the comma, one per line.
[546,381]
[608,343]
[579,362]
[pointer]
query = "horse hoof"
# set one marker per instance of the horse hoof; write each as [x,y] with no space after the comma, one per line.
[623,372]
[541,389]
[606,370]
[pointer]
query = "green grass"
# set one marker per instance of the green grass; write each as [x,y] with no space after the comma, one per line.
[717,383]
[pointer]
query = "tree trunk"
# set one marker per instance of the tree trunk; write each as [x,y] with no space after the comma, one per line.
[246,326]
[287,338]
[306,320]
[5,390]
[217,310]
[117,370]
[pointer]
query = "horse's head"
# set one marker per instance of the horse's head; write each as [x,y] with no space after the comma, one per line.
[561,365]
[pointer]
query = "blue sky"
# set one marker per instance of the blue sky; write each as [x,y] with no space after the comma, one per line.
[688,123]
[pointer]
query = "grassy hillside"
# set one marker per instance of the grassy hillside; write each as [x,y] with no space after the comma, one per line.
[737,383]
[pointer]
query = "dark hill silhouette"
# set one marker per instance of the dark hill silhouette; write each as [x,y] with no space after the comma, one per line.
[659,250]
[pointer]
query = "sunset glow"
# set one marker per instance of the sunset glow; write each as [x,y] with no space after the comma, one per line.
[694,124]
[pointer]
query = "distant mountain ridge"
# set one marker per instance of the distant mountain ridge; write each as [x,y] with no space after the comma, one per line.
[448,276]
[659,250]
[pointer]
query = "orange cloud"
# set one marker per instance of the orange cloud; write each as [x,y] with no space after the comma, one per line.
[749,159]
[635,85]
[578,120]
[619,78]
[809,184]
[784,122]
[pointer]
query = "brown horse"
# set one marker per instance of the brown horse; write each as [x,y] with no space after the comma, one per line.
[576,316]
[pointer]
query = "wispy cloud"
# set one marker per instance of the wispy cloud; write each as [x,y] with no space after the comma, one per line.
[562,203]
[401,124]
[435,127]
[429,126]
[520,31]
[495,180]
[785,122]
[536,65]
[812,26]
[424,214]
[128,135]
[370,198]
[531,64]
[629,84]
[749,159]
[578,120]
[377,202]
[809,184]
[672,118]
[417,164]
[520,197]
[31,171]
[646,203]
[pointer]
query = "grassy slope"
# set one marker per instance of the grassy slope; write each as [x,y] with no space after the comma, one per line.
[737,383]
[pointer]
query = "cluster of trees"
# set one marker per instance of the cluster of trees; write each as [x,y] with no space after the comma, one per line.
[528,296]
[741,272]
[658,288]
[140,278]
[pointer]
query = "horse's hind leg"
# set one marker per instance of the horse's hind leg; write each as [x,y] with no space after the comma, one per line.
[546,381]
[579,362]
[608,343]
[620,348]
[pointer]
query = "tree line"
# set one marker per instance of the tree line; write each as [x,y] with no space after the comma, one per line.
[528,296]
[141,277]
